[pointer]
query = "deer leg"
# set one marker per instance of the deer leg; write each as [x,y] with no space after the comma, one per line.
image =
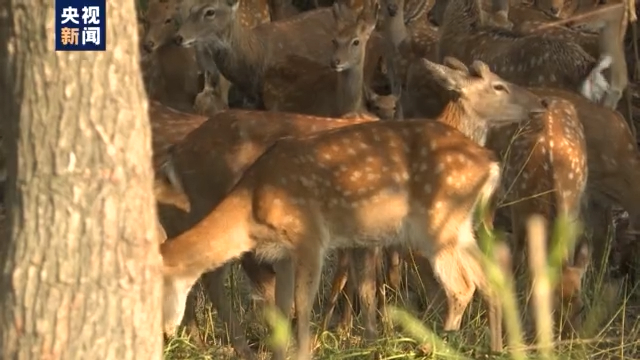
[262,277]
[600,220]
[364,264]
[284,291]
[519,238]
[349,304]
[189,321]
[214,283]
[337,285]
[307,280]
[393,267]
[449,269]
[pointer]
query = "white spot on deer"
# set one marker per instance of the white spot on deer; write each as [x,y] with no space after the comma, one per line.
[427,188]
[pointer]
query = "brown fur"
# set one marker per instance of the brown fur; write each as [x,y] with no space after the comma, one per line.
[329,92]
[210,160]
[547,61]
[244,55]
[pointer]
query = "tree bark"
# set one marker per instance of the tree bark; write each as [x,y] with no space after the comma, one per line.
[81,270]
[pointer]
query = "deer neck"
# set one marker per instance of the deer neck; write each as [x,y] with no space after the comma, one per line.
[466,121]
[395,29]
[239,55]
[349,89]
[221,236]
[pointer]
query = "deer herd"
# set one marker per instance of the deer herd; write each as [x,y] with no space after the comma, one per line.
[376,128]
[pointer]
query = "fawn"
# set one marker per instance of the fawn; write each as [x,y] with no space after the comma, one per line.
[336,91]
[418,185]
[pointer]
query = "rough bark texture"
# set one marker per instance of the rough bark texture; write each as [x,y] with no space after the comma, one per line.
[81,275]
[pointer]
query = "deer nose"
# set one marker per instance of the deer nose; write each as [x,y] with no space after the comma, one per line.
[392,9]
[335,62]
[178,39]
[148,46]
[555,10]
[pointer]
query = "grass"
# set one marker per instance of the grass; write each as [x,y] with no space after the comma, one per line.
[611,325]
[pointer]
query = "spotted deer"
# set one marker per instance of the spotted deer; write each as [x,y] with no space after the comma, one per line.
[325,196]
[613,162]
[545,168]
[207,163]
[336,91]
[244,55]
[549,61]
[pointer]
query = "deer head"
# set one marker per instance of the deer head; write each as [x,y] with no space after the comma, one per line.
[484,93]
[160,24]
[206,21]
[353,33]
[382,106]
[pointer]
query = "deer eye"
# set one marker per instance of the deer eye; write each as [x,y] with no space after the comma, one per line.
[356,42]
[499,87]
[168,21]
[334,42]
[210,13]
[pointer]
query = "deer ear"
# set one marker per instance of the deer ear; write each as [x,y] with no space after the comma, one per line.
[233,4]
[478,68]
[371,13]
[444,76]
[455,64]
[336,10]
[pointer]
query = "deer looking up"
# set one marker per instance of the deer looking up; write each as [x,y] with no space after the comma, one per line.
[336,91]
[325,196]
[531,59]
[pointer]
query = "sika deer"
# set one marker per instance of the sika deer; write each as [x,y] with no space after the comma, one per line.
[244,55]
[564,64]
[176,61]
[207,163]
[613,163]
[172,73]
[324,196]
[336,91]
[545,172]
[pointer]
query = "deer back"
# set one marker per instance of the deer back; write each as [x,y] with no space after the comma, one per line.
[358,184]
[531,60]
[545,162]
[211,159]
[613,157]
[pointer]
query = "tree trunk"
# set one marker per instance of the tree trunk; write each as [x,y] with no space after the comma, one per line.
[81,270]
